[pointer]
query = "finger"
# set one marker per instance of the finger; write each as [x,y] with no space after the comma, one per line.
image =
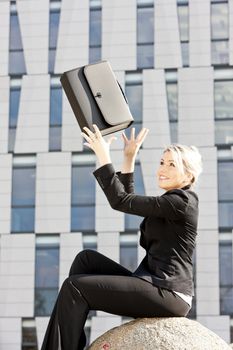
[111,139]
[86,137]
[124,137]
[97,131]
[89,132]
[140,133]
[132,135]
[144,136]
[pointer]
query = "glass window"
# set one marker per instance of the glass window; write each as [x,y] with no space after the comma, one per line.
[145,56]
[95,33]
[224,132]
[225,194]
[23,186]
[55,118]
[94,54]
[132,222]
[185,53]
[15,33]
[172,100]
[226,278]
[219,21]
[46,279]
[95,27]
[55,106]
[23,199]
[55,138]
[133,93]
[145,37]
[83,198]
[223,99]
[145,25]
[128,255]
[14,106]
[16,56]
[29,338]
[219,52]
[183,18]
[16,63]
[54,18]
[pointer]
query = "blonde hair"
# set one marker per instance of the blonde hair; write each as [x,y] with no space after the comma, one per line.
[188,159]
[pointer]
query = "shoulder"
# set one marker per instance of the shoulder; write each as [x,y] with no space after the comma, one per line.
[179,194]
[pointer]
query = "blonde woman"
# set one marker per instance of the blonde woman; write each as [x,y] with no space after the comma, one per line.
[162,284]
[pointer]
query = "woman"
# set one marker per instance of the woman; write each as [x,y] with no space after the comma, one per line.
[162,285]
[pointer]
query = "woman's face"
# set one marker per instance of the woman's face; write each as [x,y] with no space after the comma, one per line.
[168,174]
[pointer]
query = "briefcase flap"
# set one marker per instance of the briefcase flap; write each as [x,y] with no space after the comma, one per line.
[107,92]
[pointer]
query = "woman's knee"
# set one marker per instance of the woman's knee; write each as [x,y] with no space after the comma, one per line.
[81,257]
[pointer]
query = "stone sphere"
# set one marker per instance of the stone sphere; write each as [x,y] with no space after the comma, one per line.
[162,333]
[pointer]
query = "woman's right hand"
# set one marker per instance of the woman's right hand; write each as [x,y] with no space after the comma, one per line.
[132,145]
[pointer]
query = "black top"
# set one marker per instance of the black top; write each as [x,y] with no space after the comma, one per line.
[168,230]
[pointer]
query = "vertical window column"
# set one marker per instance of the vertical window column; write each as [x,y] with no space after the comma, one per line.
[225,195]
[16,55]
[226,277]
[23,196]
[133,92]
[83,198]
[54,17]
[219,33]
[95,31]
[15,90]
[145,34]
[183,19]
[223,106]
[55,124]
[46,274]
[172,101]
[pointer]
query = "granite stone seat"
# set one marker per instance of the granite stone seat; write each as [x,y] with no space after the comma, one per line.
[162,333]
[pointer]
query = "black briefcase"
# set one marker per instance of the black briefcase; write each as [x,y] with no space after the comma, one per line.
[96,97]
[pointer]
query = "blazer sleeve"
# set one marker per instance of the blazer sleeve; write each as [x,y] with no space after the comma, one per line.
[170,205]
[127,179]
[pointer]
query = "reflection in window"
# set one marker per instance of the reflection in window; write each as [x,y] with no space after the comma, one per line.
[183,17]
[55,118]
[224,132]
[83,198]
[13,117]
[219,33]
[128,251]
[132,222]
[225,195]
[145,37]
[54,17]
[226,278]
[220,52]
[16,55]
[46,277]
[223,99]
[23,199]
[95,32]
[219,21]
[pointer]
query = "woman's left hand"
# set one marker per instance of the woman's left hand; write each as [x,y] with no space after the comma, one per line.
[97,143]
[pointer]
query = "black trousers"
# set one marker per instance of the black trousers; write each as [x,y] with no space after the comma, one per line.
[96,282]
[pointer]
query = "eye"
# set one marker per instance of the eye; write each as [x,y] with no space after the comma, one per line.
[173,164]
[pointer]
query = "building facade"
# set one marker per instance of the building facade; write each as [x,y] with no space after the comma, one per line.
[174,61]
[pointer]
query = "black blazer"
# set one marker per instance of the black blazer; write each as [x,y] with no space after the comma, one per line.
[168,230]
